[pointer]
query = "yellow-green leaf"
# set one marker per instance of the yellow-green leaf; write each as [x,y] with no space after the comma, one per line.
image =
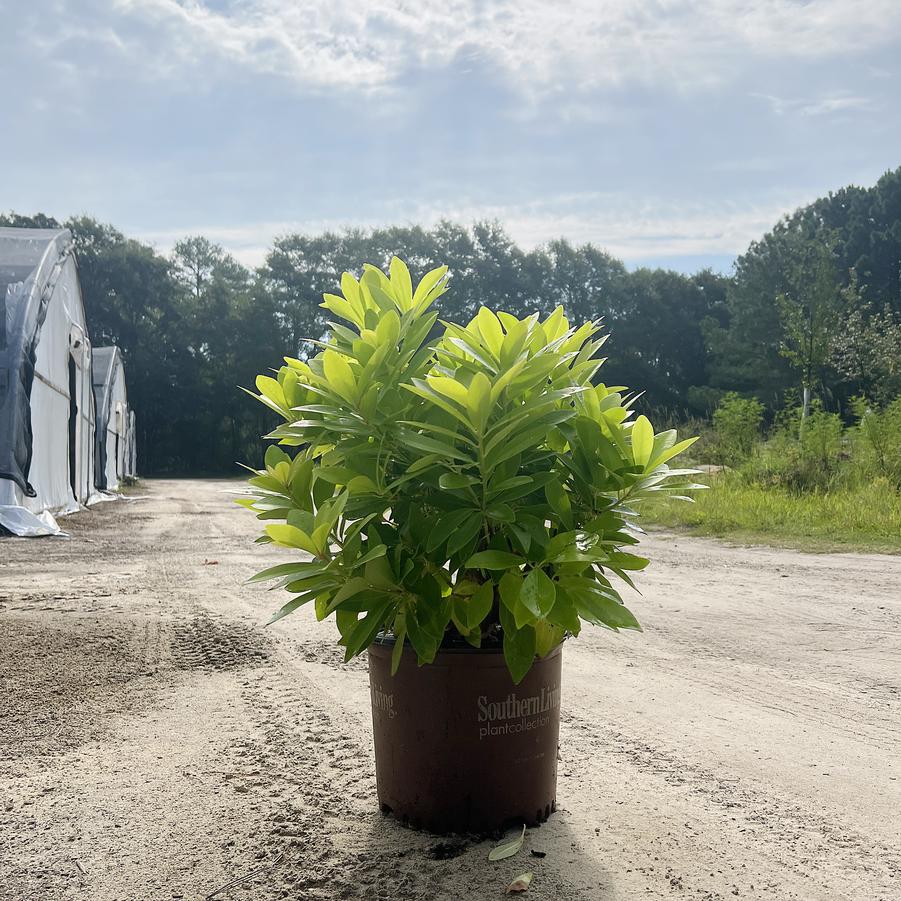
[340,307]
[642,441]
[478,399]
[429,288]
[449,388]
[339,375]
[388,328]
[270,388]
[291,536]
[401,285]
[671,452]
[350,287]
[490,327]
[508,847]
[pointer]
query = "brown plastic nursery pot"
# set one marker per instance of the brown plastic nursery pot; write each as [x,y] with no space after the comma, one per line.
[458,746]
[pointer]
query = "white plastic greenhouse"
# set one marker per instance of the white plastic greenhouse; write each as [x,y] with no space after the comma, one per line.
[46,397]
[114,451]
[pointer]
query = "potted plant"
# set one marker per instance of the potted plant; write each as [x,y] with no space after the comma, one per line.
[462,496]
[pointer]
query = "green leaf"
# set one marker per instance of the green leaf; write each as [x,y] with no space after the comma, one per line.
[519,652]
[400,636]
[602,610]
[458,614]
[271,389]
[440,430]
[443,528]
[538,593]
[429,283]
[622,560]
[449,388]
[490,327]
[423,641]
[378,551]
[451,480]
[361,485]
[288,569]
[291,536]
[564,613]
[363,633]
[642,441]
[360,600]
[517,444]
[401,283]
[494,560]
[558,498]
[670,452]
[350,588]
[388,329]
[430,445]
[478,403]
[340,307]
[510,589]
[480,605]
[339,375]
[379,572]
[468,530]
[547,637]
[501,512]
[290,607]
[275,455]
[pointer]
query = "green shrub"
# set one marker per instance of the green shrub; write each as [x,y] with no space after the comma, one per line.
[878,439]
[800,457]
[736,422]
[821,445]
[474,486]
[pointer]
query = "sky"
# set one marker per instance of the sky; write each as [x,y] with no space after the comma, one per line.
[669,132]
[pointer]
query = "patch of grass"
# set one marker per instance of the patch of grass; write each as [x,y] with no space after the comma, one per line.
[866,518]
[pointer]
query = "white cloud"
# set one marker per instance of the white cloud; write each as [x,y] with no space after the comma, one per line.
[541,46]
[637,229]
[836,103]
[653,228]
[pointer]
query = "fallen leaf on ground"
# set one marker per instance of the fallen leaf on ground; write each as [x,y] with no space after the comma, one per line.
[508,848]
[520,884]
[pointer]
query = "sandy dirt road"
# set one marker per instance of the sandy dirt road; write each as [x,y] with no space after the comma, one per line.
[156,741]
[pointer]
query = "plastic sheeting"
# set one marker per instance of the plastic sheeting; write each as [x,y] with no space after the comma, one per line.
[25,524]
[114,446]
[46,396]
[131,450]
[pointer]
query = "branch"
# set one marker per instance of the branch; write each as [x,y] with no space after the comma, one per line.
[244,878]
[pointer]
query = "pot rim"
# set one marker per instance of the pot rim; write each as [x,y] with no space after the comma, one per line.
[385,640]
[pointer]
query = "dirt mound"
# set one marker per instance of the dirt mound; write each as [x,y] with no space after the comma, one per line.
[207,643]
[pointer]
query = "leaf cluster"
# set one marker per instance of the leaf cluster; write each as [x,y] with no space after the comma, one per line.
[450,482]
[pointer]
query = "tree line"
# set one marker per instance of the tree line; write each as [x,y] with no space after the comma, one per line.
[812,309]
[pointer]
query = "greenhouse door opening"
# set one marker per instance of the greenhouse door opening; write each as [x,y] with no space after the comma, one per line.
[73,425]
